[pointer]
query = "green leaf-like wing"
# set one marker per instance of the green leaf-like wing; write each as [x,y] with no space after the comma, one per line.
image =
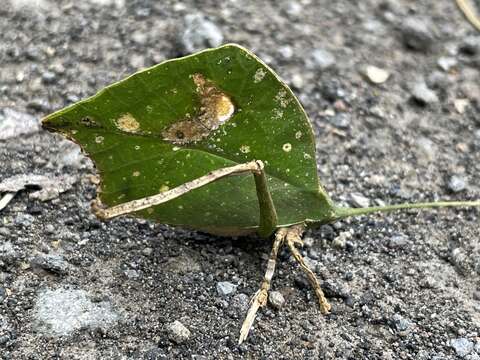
[178,120]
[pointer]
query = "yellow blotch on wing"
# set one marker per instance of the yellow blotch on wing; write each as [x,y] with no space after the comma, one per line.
[127,123]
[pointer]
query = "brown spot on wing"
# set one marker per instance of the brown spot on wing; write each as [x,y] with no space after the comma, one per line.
[216,108]
[185,131]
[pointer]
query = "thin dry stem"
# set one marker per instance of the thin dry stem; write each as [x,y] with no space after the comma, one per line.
[293,238]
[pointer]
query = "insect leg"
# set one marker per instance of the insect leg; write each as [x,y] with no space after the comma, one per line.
[293,238]
[6,199]
[268,216]
[261,296]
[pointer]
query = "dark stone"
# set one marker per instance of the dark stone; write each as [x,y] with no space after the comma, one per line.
[49,77]
[334,290]
[52,263]
[417,34]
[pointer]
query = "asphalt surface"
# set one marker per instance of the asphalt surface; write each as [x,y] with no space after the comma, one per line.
[402,286]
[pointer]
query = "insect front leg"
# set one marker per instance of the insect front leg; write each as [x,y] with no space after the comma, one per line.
[268,215]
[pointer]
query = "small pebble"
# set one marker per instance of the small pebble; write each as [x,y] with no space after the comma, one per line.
[276,299]
[341,120]
[4,232]
[132,274]
[417,34]
[459,258]
[446,63]
[226,288]
[398,241]
[471,45]
[400,323]
[200,33]
[240,301]
[147,251]
[335,290]
[376,75]
[321,59]
[286,51]
[359,201]
[456,184]
[8,254]
[177,332]
[137,61]
[422,94]
[461,105]
[462,346]
[308,242]
[39,105]
[294,9]
[49,77]
[139,37]
[340,242]
[53,263]
[49,229]
[298,81]
[313,254]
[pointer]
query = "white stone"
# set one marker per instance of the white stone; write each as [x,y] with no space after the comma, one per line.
[14,123]
[376,75]
[177,332]
[62,311]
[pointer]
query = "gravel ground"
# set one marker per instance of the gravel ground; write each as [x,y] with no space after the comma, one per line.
[403,286]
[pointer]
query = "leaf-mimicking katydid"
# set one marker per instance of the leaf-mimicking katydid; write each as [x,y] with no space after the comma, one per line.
[168,140]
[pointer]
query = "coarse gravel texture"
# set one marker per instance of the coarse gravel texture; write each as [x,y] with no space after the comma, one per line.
[402,286]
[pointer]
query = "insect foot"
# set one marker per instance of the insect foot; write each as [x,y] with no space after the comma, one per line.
[97,209]
[290,236]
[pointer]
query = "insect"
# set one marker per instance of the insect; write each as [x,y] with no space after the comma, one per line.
[216,142]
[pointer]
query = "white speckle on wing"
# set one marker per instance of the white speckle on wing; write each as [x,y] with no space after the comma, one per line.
[259,75]
[287,147]
[277,114]
[282,98]
[164,188]
[245,149]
